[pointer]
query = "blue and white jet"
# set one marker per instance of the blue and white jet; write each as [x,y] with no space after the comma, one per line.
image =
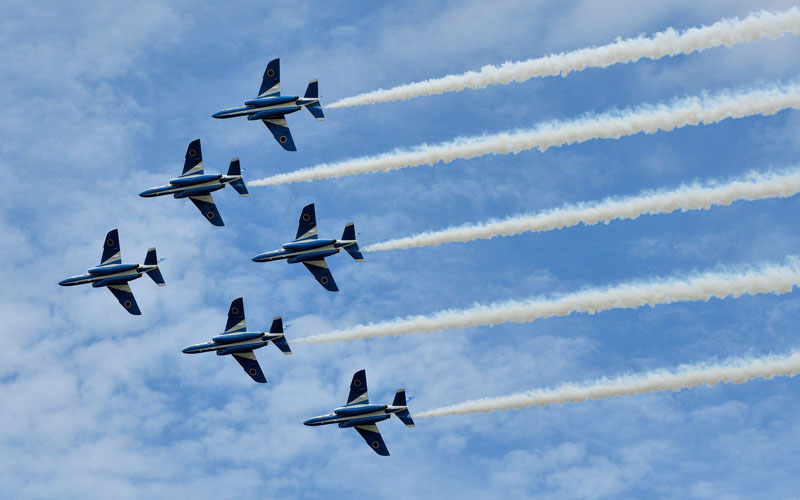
[271,107]
[198,186]
[236,340]
[309,250]
[362,416]
[114,275]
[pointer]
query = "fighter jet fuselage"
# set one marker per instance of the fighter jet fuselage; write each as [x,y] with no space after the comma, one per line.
[309,250]
[115,275]
[267,107]
[197,185]
[305,251]
[236,340]
[271,107]
[362,416]
[232,343]
[351,416]
[194,185]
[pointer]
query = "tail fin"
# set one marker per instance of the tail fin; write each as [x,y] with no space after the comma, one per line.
[400,400]
[152,260]
[349,234]
[280,343]
[312,92]
[236,170]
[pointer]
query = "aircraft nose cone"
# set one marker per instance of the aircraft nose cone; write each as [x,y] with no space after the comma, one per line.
[258,258]
[218,114]
[64,282]
[188,350]
[310,421]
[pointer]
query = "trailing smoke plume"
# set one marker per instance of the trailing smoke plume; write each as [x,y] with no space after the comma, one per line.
[612,125]
[736,371]
[695,197]
[751,281]
[727,32]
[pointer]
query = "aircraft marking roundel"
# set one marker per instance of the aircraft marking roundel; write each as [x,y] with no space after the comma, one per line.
[192,152]
[210,215]
[252,371]
[283,139]
[306,217]
[235,310]
[323,280]
[270,73]
[127,303]
[357,383]
[375,444]
[110,242]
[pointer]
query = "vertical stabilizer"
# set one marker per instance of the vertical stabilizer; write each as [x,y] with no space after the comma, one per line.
[349,234]
[235,170]
[152,260]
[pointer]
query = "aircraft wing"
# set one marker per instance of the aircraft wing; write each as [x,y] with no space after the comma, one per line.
[251,367]
[125,297]
[319,268]
[208,208]
[193,165]
[280,130]
[373,438]
[111,251]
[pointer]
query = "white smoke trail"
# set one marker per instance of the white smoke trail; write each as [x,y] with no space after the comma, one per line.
[752,187]
[736,371]
[751,281]
[613,125]
[728,32]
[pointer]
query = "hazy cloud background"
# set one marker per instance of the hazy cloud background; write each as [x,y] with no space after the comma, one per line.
[99,103]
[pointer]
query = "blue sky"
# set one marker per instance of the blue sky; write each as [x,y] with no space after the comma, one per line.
[100,101]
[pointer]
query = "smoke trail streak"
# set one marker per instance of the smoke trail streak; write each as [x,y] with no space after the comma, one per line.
[728,32]
[736,371]
[613,125]
[765,279]
[695,197]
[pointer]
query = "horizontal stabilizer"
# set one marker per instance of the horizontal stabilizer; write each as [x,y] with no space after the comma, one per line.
[281,344]
[349,234]
[316,110]
[312,92]
[151,259]
[236,170]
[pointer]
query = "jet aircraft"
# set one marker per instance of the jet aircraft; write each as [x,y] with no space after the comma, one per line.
[362,416]
[238,341]
[309,250]
[271,107]
[197,186]
[114,275]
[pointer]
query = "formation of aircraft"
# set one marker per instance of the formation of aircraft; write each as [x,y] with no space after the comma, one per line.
[271,107]
[196,185]
[240,343]
[362,416]
[114,275]
[311,251]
